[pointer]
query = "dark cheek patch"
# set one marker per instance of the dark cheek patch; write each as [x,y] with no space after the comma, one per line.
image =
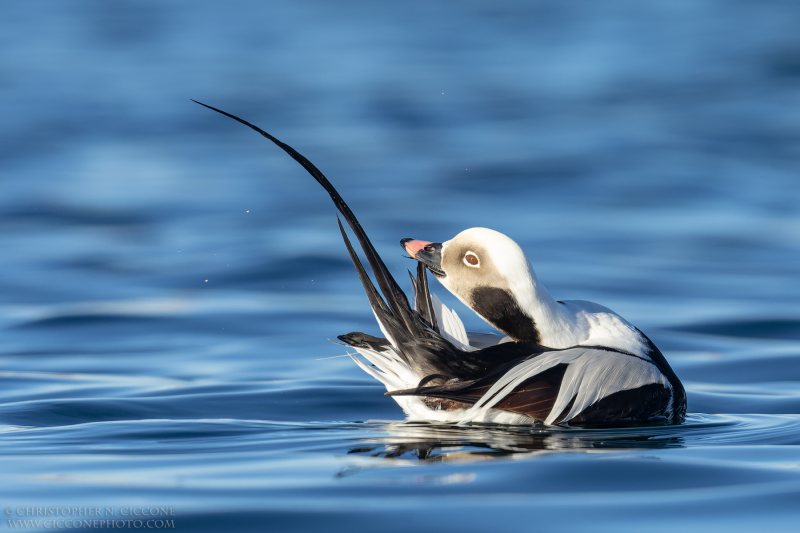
[501,310]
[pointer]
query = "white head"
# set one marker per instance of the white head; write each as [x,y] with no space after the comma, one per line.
[490,273]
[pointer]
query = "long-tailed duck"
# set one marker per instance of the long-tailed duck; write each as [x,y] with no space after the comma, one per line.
[570,362]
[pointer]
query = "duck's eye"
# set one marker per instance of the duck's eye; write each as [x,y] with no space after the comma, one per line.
[471,260]
[430,248]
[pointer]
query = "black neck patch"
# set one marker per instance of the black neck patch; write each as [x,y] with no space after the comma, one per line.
[500,309]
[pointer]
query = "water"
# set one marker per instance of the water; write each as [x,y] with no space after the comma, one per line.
[170,278]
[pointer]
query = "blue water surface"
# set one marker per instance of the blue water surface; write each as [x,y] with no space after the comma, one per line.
[169,278]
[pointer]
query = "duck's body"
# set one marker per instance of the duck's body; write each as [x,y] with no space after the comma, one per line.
[579,385]
[622,375]
[570,362]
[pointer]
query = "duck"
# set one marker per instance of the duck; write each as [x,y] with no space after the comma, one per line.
[565,363]
[490,274]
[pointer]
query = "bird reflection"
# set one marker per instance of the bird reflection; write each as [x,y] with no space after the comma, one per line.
[426,442]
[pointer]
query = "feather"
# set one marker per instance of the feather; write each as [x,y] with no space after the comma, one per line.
[451,326]
[592,374]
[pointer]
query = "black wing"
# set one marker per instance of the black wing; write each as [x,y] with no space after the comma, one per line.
[422,297]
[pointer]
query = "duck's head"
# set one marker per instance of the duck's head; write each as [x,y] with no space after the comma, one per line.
[487,271]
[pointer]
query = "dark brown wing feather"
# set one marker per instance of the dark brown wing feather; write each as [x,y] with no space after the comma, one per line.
[422,297]
[535,397]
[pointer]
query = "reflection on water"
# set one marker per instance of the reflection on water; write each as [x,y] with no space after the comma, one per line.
[428,442]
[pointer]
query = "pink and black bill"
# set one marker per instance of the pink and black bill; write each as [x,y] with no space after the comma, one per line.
[427,253]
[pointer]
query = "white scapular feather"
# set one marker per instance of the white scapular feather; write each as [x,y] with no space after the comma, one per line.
[600,373]
[450,325]
[516,376]
[592,375]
